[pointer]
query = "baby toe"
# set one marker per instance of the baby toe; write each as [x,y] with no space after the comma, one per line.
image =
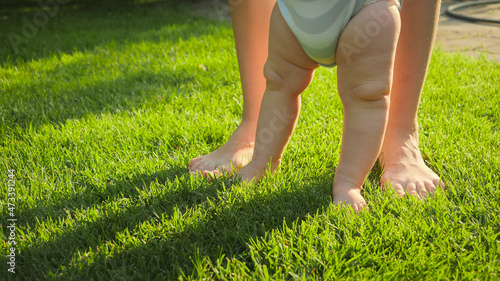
[209,175]
[355,208]
[196,173]
[364,206]
[214,173]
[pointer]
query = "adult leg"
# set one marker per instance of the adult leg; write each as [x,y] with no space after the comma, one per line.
[250,19]
[365,58]
[401,160]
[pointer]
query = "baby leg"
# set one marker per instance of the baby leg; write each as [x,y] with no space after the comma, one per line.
[365,58]
[288,72]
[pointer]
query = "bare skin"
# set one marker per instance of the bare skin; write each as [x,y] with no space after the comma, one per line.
[404,168]
[250,19]
[364,82]
[401,160]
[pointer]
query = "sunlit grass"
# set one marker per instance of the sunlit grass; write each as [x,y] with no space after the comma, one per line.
[103,109]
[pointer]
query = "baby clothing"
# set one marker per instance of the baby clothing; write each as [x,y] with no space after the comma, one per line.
[317,24]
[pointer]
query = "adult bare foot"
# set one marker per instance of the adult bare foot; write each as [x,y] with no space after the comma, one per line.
[230,157]
[255,171]
[404,169]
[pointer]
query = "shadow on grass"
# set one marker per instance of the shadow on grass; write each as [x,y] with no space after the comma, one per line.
[165,251]
[34,34]
[93,195]
[88,31]
[19,4]
[110,96]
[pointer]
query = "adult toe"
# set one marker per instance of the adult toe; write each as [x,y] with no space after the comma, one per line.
[439,183]
[421,190]
[399,189]
[193,162]
[210,174]
[411,189]
[430,187]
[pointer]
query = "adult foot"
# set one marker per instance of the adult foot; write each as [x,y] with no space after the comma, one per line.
[404,169]
[230,157]
[348,194]
[255,171]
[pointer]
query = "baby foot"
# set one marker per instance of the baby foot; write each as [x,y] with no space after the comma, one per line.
[404,170]
[230,157]
[349,195]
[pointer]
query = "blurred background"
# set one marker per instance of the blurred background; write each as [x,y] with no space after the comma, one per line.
[473,38]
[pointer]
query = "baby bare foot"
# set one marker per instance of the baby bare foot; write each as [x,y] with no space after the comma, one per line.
[349,195]
[230,157]
[404,170]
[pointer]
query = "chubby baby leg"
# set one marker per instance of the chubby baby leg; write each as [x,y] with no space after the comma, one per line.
[365,58]
[288,72]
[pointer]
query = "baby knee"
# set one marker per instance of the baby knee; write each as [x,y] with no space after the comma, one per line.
[374,91]
[274,81]
[287,78]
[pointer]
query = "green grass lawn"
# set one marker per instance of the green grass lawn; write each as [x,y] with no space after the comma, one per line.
[103,108]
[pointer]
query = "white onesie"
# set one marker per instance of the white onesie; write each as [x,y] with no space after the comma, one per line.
[317,24]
